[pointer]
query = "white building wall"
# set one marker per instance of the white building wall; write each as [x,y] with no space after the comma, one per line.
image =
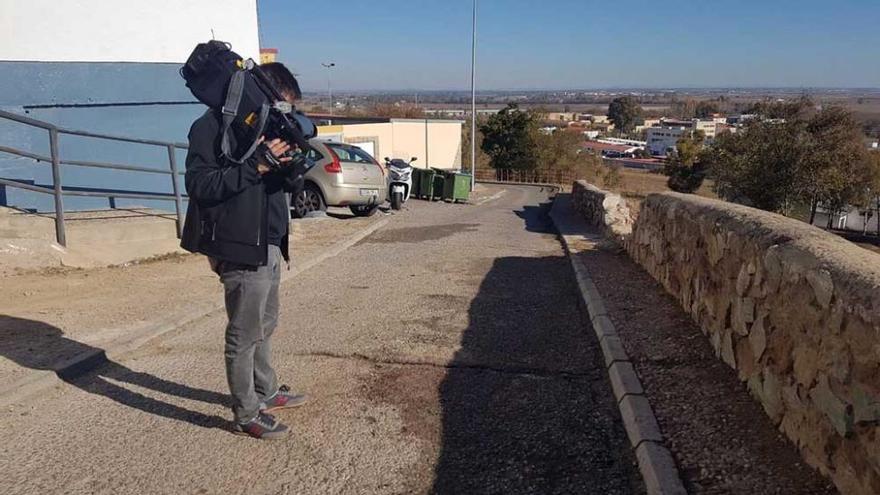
[659,139]
[123,31]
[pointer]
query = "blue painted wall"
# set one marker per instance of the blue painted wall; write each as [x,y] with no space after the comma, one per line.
[141,100]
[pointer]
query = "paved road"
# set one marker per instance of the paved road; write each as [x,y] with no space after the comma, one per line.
[446,353]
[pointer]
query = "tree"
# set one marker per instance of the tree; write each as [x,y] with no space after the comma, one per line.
[625,112]
[509,138]
[791,156]
[799,109]
[685,169]
[705,109]
[758,165]
[836,171]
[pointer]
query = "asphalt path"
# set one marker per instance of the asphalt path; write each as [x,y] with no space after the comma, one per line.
[445,353]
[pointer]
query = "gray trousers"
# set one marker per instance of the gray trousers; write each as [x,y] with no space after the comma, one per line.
[252,308]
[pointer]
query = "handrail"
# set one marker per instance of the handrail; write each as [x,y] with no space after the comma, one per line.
[58,191]
[89,193]
[73,132]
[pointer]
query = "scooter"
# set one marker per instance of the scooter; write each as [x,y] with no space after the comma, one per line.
[399,180]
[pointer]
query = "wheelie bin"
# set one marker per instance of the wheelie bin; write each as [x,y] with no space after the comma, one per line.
[416,182]
[426,183]
[456,187]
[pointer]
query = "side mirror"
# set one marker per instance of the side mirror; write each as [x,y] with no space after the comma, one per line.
[413,159]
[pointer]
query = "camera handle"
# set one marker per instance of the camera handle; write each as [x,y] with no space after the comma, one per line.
[229,111]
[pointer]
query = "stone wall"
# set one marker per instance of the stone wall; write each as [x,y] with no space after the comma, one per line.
[795,310]
[603,209]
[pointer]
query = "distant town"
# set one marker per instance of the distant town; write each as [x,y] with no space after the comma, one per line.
[667,114]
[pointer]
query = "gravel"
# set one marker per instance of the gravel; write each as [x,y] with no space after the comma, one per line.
[721,439]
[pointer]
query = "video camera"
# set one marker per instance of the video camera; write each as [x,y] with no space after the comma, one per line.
[250,104]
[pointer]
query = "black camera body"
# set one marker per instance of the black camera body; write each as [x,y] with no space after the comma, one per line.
[250,104]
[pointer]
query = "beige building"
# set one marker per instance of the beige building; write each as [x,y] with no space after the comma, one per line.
[435,143]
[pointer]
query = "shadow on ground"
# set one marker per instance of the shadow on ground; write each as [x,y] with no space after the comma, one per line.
[536,217]
[24,342]
[525,404]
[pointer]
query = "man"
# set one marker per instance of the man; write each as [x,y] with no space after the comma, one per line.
[238,216]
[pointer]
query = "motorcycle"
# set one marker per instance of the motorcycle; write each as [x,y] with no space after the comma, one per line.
[399,180]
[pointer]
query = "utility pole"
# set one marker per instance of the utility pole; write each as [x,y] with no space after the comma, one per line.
[474,99]
[328,66]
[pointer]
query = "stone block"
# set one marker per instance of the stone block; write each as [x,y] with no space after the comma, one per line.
[603,327]
[612,350]
[727,353]
[658,470]
[624,380]
[806,364]
[771,396]
[866,407]
[758,338]
[639,421]
[823,286]
[838,412]
[743,281]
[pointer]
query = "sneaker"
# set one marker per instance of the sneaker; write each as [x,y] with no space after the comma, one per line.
[283,399]
[263,427]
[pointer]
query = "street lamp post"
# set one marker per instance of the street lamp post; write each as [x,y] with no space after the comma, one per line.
[328,66]
[474,99]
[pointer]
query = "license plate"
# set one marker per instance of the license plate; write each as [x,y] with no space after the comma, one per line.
[369,192]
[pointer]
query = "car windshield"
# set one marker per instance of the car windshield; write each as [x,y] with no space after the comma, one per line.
[350,153]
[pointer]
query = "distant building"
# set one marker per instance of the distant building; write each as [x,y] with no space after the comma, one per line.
[268,55]
[854,219]
[662,140]
[665,134]
[562,116]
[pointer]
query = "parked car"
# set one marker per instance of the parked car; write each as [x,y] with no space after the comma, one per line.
[343,175]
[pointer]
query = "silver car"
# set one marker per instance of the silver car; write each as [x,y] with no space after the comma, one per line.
[343,175]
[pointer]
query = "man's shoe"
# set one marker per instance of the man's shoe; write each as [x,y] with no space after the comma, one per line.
[283,399]
[263,427]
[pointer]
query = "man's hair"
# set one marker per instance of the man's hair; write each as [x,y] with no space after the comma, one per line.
[282,78]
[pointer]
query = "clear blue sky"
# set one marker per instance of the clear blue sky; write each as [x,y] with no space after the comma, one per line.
[541,44]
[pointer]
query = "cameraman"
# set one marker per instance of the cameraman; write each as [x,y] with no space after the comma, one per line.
[238,216]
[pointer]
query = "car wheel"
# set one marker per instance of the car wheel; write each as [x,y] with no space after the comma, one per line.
[364,210]
[396,200]
[307,201]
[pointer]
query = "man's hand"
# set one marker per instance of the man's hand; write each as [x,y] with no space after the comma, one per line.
[277,148]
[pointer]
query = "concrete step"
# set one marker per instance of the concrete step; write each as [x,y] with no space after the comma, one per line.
[94,238]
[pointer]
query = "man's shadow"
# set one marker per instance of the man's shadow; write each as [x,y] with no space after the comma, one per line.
[40,346]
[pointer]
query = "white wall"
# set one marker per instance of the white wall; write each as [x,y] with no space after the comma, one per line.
[123,30]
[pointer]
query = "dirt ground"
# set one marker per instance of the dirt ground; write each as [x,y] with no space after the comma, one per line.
[97,306]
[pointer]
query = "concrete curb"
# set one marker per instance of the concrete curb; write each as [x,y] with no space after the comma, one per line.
[656,464]
[79,365]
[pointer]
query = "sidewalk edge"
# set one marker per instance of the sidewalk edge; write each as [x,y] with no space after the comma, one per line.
[655,461]
[40,380]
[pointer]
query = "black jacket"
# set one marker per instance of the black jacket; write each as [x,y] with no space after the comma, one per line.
[227,217]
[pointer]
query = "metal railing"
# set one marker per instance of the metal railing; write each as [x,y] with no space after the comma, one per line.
[58,191]
[526,176]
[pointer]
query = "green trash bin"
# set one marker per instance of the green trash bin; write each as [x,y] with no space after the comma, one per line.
[439,183]
[416,182]
[426,183]
[456,187]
